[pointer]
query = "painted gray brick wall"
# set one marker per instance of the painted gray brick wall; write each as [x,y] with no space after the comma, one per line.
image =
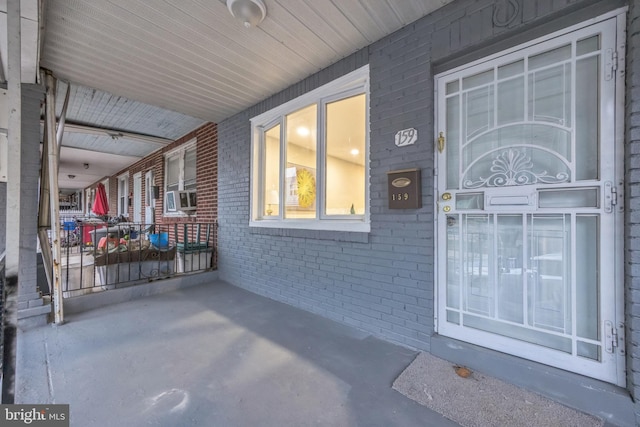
[30,156]
[382,282]
[632,201]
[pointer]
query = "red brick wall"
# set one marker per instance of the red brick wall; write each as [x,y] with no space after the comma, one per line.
[207,179]
[207,173]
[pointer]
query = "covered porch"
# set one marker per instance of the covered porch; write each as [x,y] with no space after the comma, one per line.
[214,355]
[211,354]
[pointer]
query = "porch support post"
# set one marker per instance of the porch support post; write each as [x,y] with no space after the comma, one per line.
[63,119]
[13,229]
[54,202]
[44,212]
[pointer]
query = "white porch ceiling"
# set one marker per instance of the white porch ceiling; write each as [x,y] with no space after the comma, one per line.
[72,172]
[111,132]
[195,58]
[163,68]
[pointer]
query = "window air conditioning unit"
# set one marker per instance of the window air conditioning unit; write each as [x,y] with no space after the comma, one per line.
[181,201]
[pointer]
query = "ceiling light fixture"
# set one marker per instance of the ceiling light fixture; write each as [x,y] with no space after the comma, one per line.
[250,12]
[355,152]
[303,131]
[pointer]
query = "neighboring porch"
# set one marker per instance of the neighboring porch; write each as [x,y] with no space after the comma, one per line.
[97,256]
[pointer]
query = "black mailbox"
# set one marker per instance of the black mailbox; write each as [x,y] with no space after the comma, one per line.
[404,189]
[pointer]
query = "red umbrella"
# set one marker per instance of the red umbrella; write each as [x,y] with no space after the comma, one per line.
[100,205]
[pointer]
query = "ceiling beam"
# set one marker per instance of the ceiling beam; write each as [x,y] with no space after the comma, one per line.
[116,134]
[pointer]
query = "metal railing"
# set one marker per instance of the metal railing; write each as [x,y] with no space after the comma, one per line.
[98,256]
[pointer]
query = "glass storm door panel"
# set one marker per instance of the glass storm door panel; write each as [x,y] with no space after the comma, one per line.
[526,220]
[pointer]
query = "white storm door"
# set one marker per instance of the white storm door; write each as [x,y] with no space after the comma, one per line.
[137,197]
[149,198]
[528,259]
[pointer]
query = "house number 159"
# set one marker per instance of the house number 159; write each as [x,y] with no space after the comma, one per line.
[399,196]
[406,137]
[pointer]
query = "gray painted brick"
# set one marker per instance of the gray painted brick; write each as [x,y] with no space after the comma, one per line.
[382,282]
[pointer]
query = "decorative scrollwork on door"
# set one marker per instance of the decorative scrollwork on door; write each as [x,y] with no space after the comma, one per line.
[514,167]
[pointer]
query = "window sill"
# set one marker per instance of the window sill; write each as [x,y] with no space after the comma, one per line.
[343,231]
[178,214]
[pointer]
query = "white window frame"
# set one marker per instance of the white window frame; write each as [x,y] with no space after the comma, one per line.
[180,153]
[354,83]
[124,178]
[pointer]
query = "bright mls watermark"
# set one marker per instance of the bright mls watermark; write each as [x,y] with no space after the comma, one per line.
[34,415]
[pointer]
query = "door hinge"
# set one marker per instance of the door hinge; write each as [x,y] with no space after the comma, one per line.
[612,338]
[614,196]
[610,196]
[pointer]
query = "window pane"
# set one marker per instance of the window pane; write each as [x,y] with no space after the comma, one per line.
[478,110]
[549,247]
[587,117]
[453,264]
[510,274]
[452,136]
[470,201]
[300,175]
[511,101]
[173,172]
[511,70]
[589,45]
[453,87]
[568,198]
[190,169]
[549,90]
[587,283]
[551,57]
[345,156]
[271,171]
[477,80]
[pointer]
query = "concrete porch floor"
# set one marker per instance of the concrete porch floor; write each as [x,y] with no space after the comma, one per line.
[215,355]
